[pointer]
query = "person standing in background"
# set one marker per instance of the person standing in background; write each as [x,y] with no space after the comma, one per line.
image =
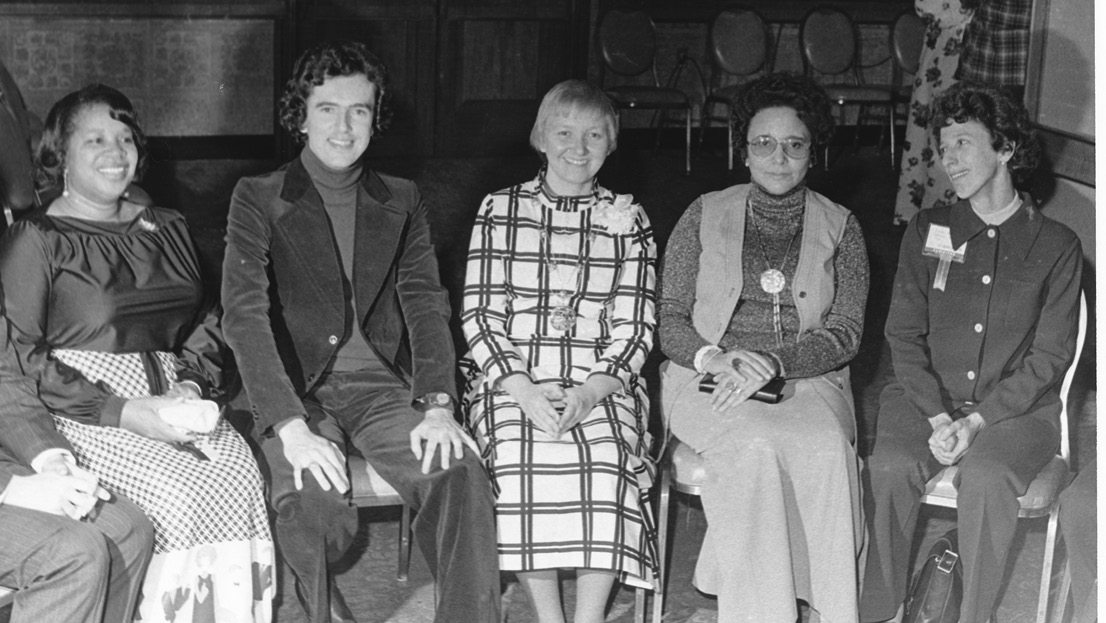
[922,181]
[996,46]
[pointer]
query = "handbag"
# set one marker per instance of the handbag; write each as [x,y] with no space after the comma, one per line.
[938,587]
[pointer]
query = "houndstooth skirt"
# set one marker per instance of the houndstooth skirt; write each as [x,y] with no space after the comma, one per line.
[213,553]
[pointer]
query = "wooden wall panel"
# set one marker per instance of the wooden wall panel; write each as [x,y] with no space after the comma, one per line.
[402,34]
[497,60]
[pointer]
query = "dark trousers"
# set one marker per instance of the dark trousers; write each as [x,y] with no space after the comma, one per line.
[998,467]
[78,571]
[454,524]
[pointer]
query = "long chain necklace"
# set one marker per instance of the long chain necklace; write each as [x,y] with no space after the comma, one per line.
[772,280]
[562,316]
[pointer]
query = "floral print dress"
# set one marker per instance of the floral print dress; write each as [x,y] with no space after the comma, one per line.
[922,181]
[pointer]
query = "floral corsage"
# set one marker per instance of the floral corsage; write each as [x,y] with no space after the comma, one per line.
[617,216]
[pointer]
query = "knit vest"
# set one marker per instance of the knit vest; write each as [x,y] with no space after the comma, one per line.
[720,279]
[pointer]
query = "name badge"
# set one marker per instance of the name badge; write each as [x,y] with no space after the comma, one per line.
[938,244]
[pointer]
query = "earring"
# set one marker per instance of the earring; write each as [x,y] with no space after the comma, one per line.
[65,183]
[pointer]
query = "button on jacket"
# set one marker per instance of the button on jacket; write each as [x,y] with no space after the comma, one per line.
[999,337]
[282,265]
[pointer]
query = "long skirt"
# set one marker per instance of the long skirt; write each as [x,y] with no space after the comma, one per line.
[576,502]
[781,497]
[213,552]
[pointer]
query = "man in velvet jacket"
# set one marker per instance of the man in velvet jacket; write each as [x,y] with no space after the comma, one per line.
[339,325]
[73,551]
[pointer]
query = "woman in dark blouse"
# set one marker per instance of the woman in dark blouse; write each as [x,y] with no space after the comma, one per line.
[105,303]
[764,280]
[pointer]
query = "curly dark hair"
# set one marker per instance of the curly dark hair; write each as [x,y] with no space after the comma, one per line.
[331,59]
[1004,117]
[797,92]
[61,122]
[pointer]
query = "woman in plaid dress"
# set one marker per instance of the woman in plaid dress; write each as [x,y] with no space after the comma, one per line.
[558,312]
[104,299]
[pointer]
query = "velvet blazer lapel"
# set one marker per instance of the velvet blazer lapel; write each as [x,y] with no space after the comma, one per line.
[306,229]
[379,230]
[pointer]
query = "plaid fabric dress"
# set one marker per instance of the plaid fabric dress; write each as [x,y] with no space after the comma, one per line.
[580,501]
[116,292]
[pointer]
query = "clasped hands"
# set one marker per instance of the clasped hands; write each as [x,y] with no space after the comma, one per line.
[950,439]
[739,374]
[555,409]
[61,488]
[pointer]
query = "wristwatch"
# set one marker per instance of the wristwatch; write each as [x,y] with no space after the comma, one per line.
[434,400]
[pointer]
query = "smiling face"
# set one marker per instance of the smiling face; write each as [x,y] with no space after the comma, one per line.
[977,171]
[777,172]
[575,142]
[339,123]
[100,156]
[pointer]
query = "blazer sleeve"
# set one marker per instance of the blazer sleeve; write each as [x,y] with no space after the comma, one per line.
[907,328]
[425,306]
[246,323]
[26,427]
[25,272]
[1052,347]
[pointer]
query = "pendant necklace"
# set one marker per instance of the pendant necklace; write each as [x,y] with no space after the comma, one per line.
[772,280]
[562,316]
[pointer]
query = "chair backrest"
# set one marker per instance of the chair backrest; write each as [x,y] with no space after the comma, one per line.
[740,41]
[1069,376]
[828,41]
[908,33]
[627,42]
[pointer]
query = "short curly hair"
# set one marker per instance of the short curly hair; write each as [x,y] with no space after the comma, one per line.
[61,122]
[574,95]
[331,59]
[789,90]
[1004,117]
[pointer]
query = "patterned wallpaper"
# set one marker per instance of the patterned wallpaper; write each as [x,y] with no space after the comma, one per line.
[186,77]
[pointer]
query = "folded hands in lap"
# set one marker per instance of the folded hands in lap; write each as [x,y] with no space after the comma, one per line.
[739,374]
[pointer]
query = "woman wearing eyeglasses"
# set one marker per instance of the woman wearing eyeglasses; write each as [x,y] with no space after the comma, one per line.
[761,281]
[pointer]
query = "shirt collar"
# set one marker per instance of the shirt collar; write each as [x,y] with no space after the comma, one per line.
[1019,231]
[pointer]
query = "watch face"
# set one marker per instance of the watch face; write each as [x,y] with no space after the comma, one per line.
[439,399]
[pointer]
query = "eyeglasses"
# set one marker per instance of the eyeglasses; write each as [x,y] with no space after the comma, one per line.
[764,146]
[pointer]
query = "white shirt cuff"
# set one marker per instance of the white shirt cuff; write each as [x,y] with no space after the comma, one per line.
[45,455]
[704,355]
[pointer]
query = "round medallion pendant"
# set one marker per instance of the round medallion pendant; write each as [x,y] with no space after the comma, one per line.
[563,318]
[772,281]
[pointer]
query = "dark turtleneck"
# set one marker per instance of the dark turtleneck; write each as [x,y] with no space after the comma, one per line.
[771,223]
[338,190]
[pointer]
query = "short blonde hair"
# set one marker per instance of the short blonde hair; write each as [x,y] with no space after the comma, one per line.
[574,95]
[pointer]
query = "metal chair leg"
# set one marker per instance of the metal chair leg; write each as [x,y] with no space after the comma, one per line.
[729,138]
[891,126]
[687,146]
[662,544]
[404,543]
[1046,564]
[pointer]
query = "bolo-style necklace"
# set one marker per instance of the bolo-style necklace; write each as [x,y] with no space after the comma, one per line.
[772,280]
[562,316]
